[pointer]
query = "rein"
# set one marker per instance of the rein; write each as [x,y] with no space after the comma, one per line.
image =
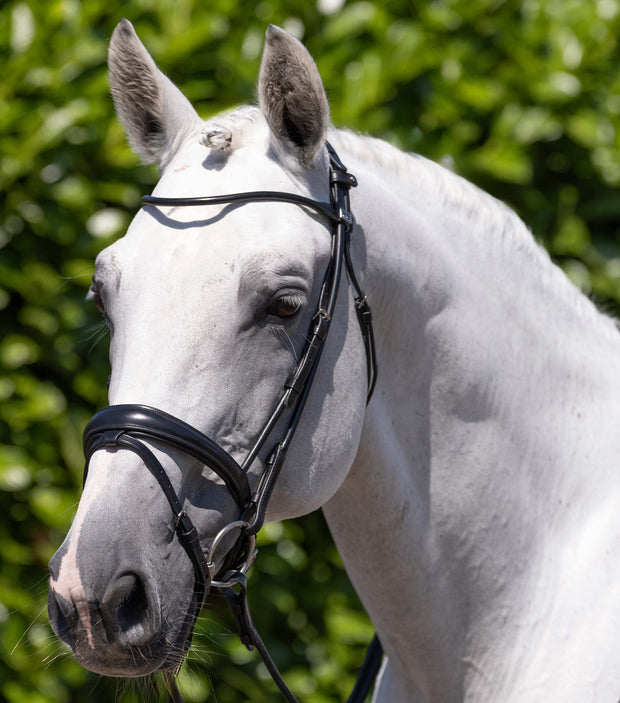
[128,426]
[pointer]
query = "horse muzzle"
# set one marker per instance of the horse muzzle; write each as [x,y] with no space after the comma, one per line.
[110,602]
[120,634]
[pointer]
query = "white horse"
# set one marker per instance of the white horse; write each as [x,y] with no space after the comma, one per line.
[475,502]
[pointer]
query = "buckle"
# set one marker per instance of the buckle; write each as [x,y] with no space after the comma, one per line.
[238,602]
[364,313]
[185,529]
[248,555]
[323,314]
[346,216]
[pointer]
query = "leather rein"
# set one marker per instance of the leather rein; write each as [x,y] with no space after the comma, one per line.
[128,426]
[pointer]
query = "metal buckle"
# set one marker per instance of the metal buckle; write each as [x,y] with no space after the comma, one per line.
[250,555]
[346,216]
[364,312]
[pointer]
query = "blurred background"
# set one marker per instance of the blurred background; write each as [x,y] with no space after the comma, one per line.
[521,97]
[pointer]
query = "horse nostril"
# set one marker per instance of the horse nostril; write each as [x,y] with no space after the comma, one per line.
[63,617]
[127,612]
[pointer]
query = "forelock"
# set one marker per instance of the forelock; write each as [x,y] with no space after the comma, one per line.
[226,133]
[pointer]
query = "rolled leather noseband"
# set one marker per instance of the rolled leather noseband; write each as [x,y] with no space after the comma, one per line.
[144,422]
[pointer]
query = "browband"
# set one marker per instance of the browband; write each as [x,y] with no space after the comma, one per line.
[324,209]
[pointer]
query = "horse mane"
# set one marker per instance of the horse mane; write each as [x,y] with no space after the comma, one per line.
[489,220]
[447,189]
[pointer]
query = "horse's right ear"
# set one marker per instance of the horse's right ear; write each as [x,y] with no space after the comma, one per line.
[156,115]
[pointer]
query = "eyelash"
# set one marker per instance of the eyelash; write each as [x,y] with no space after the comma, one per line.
[277,306]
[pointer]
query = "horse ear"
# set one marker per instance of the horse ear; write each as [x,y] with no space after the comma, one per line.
[156,115]
[292,97]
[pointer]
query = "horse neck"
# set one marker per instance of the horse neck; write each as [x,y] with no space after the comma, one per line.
[462,292]
[495,374]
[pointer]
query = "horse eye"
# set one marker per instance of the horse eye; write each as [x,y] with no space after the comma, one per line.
[285,306]
[93,294]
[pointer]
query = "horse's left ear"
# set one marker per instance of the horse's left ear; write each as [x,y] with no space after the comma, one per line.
[292,97]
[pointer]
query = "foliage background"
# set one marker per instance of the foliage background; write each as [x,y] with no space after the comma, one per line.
[521,97]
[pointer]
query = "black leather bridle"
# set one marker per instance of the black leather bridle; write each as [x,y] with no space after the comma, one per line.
[129,426]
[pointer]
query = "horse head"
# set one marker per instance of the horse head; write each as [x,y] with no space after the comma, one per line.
[208,309]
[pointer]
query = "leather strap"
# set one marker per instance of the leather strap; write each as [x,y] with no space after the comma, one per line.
[256,196]
[339,176]
[142,421]
[238,601]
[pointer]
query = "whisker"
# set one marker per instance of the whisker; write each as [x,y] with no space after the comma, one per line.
[283,336]
[71,507]
[51,659]
[43,591]
[65,280]
[35,621]
[96,333]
